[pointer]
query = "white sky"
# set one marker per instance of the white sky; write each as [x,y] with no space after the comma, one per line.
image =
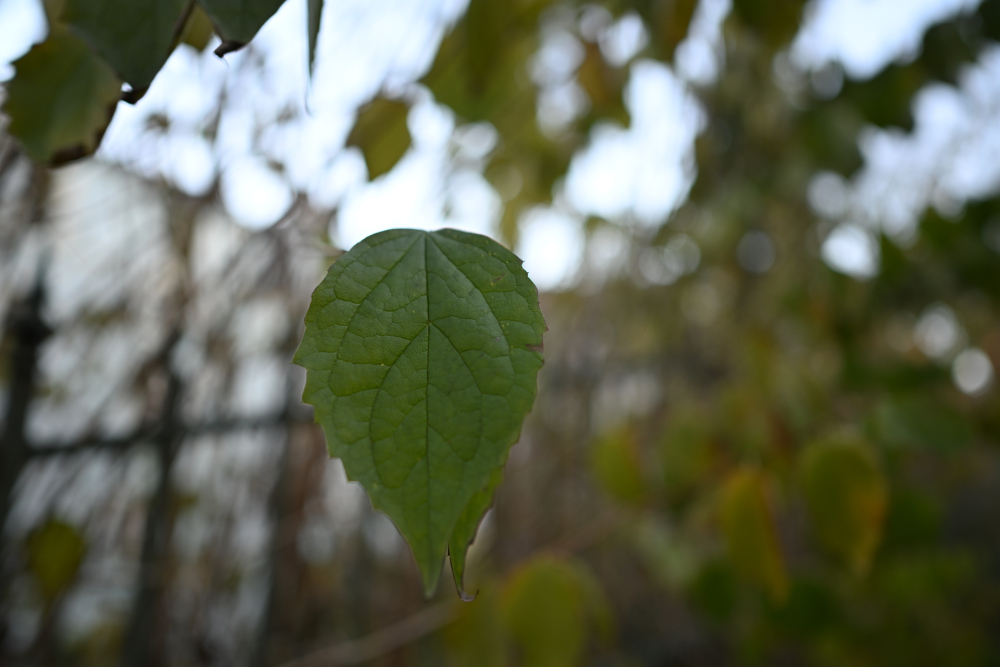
[866,35]
[634,177]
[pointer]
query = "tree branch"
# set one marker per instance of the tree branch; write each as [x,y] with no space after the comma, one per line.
[146,433]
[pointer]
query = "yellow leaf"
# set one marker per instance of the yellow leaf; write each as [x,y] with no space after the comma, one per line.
[55,551]
[475,639]
[751,539]
[548,609]
[198,30]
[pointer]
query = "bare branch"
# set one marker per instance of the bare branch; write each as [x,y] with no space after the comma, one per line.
[146,433]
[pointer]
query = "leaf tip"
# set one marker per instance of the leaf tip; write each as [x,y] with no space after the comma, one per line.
[228,46]
[133,95]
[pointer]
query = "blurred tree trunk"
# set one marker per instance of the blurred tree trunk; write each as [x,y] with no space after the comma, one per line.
[26,331]
[139,638]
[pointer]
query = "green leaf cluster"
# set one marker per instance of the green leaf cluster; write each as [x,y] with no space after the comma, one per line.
[65,90]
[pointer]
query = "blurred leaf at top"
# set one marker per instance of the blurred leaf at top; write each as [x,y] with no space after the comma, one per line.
[135,37]
[381,133]
[61,98]
[237,21]
[314,11]
[475,72]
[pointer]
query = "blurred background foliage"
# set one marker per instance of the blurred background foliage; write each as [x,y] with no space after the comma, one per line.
[767,428]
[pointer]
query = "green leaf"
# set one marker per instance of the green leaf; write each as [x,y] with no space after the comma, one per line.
[750,534]
[315,13]
[847,498]
[422,350]
[478,68]
[61,99]
[548,608]
[237,21]
[54,553]
[381,134]
[135,37]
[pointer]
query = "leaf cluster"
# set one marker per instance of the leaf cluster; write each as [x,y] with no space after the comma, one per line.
[66,89]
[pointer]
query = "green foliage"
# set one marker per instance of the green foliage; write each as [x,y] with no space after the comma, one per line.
[480,73]
[422,351]
[615,462]
[381,134]
[55,551]
[846,495]
[686,456]
[914,421]
[753,367]
[237,21]
[135,37]
[62,99]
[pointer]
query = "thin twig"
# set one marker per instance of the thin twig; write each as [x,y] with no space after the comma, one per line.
[381,641]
